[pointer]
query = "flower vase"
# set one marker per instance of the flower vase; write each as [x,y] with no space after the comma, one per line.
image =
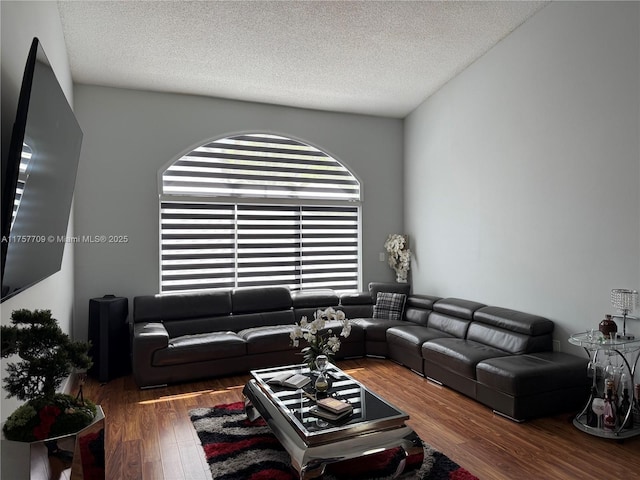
[401,279]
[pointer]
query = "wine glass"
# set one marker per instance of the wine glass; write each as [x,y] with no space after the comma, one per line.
[619,370]
[624,381]
[609,370]
[597,405]
[592,367]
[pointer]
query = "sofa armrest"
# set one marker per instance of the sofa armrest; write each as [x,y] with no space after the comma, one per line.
[147,338]
[150,336]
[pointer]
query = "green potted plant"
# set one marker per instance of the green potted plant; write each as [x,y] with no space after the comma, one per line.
[48,356]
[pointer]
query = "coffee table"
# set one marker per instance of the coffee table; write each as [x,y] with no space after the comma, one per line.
[374,426]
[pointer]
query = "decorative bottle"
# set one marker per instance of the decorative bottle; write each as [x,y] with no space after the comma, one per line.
[608,326]
[625,405]
[592,417]
[609,415]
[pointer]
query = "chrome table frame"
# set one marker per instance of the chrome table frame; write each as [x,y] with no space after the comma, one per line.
[594,344]
[312,449]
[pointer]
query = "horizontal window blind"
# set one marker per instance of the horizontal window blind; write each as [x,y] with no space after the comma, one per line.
[260,166]
[227,245]
[211,239]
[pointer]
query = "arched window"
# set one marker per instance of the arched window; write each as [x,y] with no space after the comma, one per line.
[258,209]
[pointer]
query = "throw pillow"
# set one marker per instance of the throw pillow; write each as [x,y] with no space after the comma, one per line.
[389,306]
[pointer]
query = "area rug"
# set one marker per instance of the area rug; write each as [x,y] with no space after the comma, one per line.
[237,449]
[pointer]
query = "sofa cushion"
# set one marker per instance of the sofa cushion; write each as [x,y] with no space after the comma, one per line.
[375,329]
[194,326]
[356,305]
[200,348]
[263,299]
[159,308]
[262,319]
[448,324]
[356,335]
[268,339]
[358,298]
[277,338]
[418,308]
[309,311]
[389,306]
[411,337]
[314,299]
[532,374]
[507,340]
[458,355]
[514,320]
[457,307]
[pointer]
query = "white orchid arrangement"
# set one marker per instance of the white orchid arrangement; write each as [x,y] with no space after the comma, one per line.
[399,255]
[319,342]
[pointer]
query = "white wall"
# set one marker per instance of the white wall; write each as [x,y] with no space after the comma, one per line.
[522,174]
[21,21]
[130,135]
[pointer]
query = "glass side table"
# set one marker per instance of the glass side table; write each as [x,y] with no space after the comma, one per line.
[612,358]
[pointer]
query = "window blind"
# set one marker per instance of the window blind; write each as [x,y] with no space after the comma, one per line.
[218,238]
[228,245]
[260,166]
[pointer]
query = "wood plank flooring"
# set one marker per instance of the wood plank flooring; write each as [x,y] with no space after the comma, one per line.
[150,437]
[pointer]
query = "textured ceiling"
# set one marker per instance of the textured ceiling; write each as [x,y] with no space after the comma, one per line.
[372,57]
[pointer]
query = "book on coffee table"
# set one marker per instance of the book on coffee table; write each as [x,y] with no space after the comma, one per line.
[317,411]
[334,405]
[286,379]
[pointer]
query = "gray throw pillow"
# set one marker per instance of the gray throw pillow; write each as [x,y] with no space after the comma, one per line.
[389,306]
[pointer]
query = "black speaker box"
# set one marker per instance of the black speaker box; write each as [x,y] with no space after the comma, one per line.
[109,337]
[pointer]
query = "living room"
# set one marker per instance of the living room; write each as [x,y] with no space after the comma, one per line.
[517,182]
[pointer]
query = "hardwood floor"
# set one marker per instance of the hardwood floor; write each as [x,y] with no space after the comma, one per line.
[149,435]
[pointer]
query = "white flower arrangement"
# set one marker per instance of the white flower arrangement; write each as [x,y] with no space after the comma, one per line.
[399,255]
[319,343]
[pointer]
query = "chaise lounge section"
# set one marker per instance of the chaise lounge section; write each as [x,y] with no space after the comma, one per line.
[503,358]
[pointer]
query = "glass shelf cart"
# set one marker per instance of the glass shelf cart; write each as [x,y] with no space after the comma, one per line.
[625,351]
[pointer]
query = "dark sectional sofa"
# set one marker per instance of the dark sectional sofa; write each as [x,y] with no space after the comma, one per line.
[503,358]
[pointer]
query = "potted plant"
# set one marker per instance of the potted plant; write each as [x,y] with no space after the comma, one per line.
[48,356]
[318,341]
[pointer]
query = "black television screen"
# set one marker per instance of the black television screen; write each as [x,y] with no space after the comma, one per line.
[38,178]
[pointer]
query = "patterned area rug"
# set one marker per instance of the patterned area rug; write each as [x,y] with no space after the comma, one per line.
[237,449]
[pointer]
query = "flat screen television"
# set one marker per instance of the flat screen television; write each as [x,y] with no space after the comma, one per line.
[38,178]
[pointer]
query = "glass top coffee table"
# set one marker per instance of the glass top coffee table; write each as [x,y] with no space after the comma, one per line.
[312,442]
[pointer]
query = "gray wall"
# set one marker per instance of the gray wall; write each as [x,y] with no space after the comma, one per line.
[21,21]
[522,174]
[130,135]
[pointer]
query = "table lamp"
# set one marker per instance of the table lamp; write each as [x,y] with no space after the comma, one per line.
[624,301]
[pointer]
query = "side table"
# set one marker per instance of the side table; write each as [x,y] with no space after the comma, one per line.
[628,351]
